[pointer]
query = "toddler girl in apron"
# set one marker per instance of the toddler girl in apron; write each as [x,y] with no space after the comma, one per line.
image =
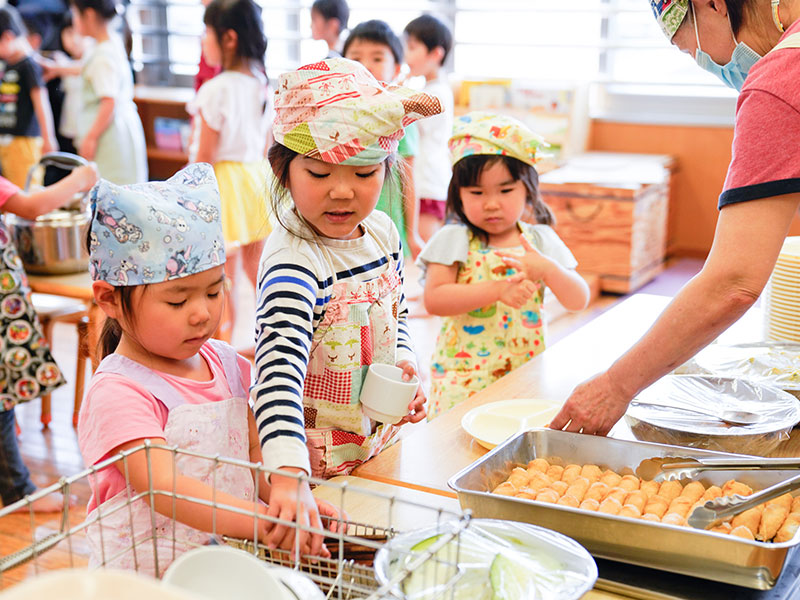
[330,296]
[487,270]
[158,271]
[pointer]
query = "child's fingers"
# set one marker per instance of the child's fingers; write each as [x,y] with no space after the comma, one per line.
[516,277]
[316,538]
[408,370]
[512,262]
[527,245]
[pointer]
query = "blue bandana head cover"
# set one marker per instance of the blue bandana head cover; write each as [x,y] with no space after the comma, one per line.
[152,232]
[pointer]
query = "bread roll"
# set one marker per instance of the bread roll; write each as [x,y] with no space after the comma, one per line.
[629,510]
[788,528]
[610,506]
[571,473]
[591,472]
[669,490]
[771,520]
[650,487]
[505,489]
[610,478]
[629,483]
[736,487]
[519,477]
[694,491]
[637,498]
[568,501]
[672,518]
[597,491]
[578,488]
[656,505]
[742,532]
[547,495]
[555,472]
[590,504]
[750,518]
[538,464]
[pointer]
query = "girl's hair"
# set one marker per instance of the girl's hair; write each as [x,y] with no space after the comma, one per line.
[112,330]
[243,17]
[105,9]
[11,21]
[467,173]
[280,157]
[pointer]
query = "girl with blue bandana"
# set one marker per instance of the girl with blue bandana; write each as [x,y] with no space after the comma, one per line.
[157,261]
[486,273]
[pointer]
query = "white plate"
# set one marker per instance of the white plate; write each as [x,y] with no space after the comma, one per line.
[493,423]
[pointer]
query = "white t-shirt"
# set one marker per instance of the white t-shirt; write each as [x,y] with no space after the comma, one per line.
[432,164]
[235,105]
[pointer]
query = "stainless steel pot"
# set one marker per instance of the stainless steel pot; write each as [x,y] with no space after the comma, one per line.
[54,243]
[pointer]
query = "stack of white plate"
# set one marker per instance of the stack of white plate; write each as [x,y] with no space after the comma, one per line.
[782,296]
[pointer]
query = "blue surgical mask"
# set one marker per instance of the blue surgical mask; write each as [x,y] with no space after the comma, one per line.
[735,71]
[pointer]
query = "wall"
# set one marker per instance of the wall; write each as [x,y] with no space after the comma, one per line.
[702,154]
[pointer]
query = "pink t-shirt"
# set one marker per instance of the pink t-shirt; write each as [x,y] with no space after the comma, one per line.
[117,410]
[7,189]
[766,139]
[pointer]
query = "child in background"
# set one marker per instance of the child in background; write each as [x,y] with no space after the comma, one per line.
[26,121]
[330,294]
[33,372]
[160,282]
[109,129]
[375,45]
[428,42]
[487,274]
[204,70]
[71,85]
[328,21]
[231,123]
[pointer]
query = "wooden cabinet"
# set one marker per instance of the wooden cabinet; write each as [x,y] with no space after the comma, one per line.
[611,210]
[154,102]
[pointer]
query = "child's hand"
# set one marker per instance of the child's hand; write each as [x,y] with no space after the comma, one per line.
[416,408]
[517,290]
[85,177]
[290,500]
[415,244]
[533,263]
[326,509]
[88,148]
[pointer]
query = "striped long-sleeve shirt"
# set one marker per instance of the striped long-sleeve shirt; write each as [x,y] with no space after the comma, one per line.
[294,288]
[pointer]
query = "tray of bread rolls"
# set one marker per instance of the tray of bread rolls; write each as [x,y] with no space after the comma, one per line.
[585,487]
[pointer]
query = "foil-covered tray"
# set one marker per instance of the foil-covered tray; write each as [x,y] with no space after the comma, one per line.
[677,549]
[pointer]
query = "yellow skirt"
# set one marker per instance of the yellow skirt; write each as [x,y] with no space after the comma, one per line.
[244,198]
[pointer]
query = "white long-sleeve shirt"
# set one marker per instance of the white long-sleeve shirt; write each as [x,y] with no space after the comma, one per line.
[294,288]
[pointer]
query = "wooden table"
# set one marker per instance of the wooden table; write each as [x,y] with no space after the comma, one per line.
[426,459]
[78,286]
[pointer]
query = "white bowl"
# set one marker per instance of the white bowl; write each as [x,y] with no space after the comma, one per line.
[221,573]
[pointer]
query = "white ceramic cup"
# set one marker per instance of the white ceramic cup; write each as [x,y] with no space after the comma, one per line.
[385,396]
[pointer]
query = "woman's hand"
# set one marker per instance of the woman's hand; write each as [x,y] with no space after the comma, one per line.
[533,263]
[517,290]
[416,408]
[593,407]
[88,147]
[291,500]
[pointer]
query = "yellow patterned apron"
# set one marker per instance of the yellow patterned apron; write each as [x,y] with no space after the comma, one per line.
[359,328]
[478,348]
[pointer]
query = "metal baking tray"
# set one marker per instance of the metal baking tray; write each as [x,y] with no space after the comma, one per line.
[704,554]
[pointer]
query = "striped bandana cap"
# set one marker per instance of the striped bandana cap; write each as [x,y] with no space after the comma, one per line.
[670,14]
[337,112]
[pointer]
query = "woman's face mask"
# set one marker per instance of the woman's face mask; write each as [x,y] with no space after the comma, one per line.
[735,71]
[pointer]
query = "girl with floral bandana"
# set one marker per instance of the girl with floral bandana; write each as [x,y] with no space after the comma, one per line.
[157,263]
[330,299]
[486,272]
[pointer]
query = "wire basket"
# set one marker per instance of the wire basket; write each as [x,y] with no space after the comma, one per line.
[35,544]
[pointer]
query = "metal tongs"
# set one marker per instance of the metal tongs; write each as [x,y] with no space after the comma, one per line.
[714,512]
[679,467]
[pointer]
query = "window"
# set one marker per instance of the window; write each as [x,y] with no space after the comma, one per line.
[614,47]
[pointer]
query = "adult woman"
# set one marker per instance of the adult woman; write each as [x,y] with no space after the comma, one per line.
[761,193]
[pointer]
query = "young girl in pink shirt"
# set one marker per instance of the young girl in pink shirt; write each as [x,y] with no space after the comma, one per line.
[157,261]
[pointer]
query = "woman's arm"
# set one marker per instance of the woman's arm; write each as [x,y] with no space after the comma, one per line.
[747,242]
[44,115]
[104,118]
[165,479]
[31,205]
[444,297]
[208,142]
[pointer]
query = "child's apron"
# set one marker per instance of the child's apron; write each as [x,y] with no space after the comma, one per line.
[359,328]
[212,428]
[479,347]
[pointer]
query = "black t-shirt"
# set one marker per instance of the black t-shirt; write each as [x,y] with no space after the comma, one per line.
[17,116]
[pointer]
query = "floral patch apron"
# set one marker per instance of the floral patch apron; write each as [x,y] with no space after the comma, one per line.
[359,328]
[123,537]
[479,347]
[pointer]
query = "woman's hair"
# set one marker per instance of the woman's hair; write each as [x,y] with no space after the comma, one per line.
[280,157]
[737,10]
[467,173]
[11,21]
[105,9]
[243,17]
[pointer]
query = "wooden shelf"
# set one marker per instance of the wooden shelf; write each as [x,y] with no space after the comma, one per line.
[155,153]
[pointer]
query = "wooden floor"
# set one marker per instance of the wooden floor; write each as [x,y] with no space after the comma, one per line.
[53,453]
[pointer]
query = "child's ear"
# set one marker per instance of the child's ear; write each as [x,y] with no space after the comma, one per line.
[229,41]
[397,67]
[438,54]
[106,297]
